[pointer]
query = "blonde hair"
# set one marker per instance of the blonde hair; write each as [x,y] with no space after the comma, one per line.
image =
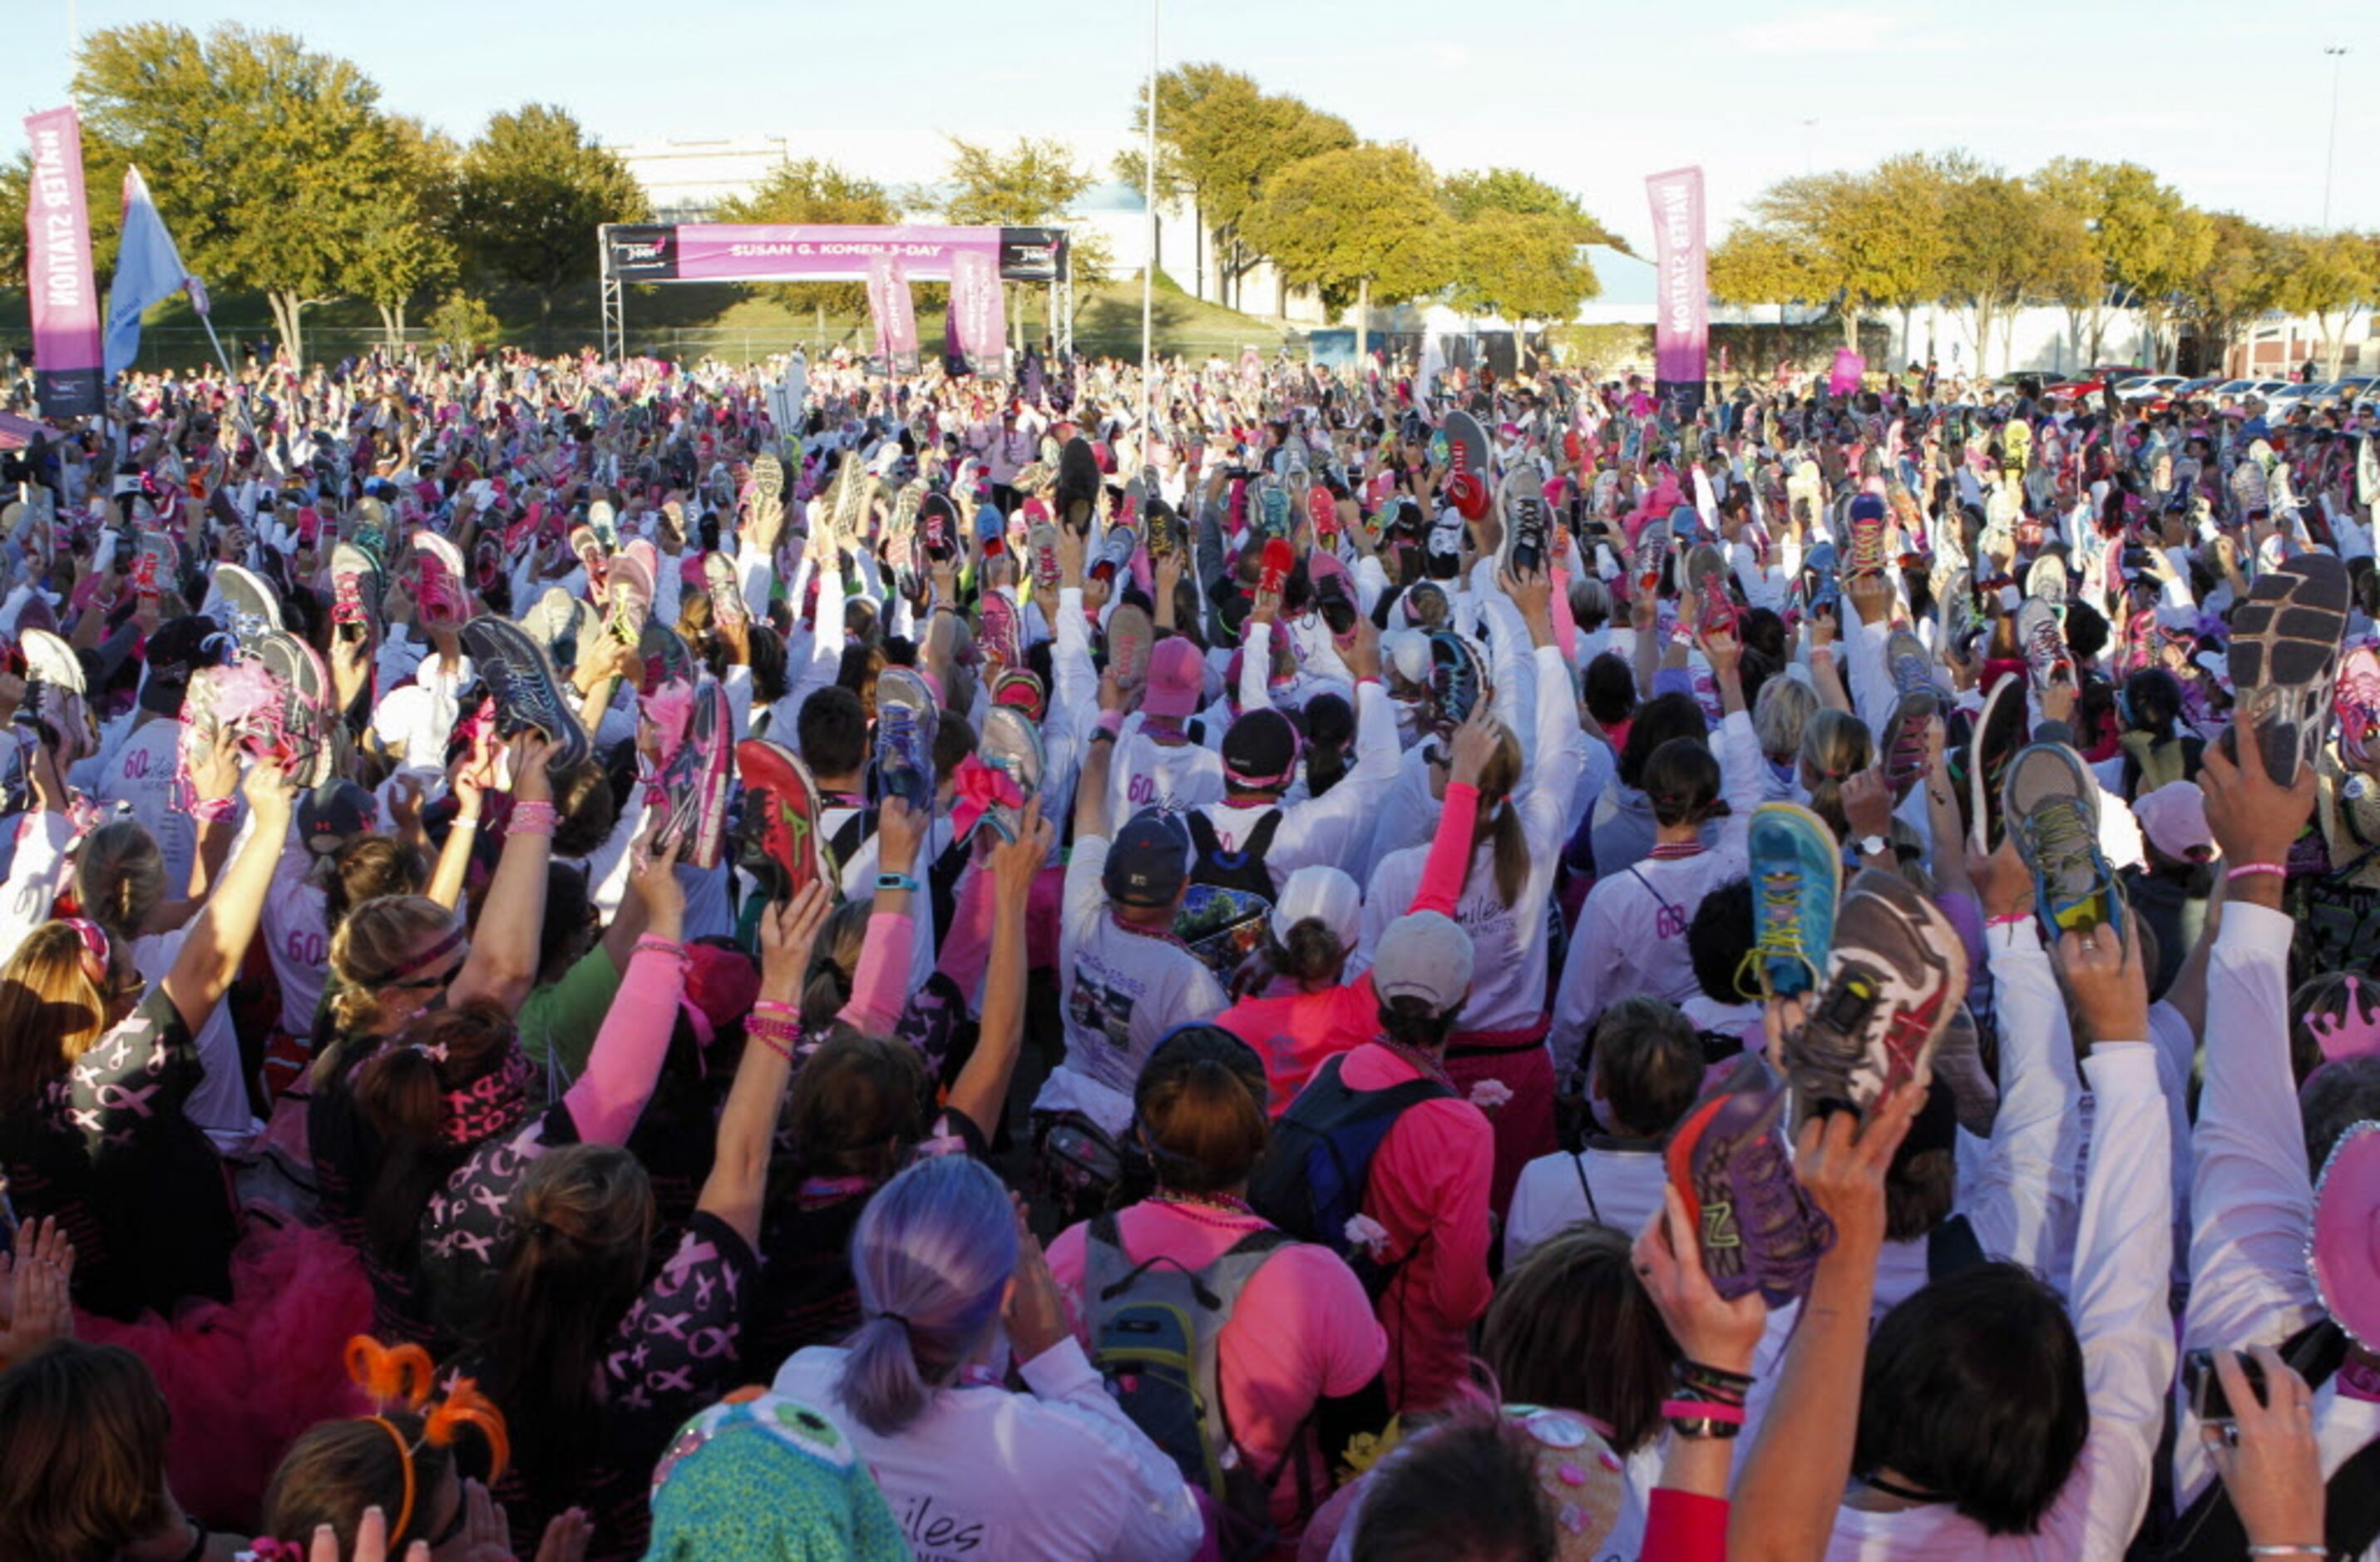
[378,936]
[1781,714]
[1835,746]
[51,1012]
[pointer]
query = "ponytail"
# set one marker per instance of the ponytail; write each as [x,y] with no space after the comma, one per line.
[1498,822]
[931,1259]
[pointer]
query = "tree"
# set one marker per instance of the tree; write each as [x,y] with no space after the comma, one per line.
[1519,264]
[1898,210]
[1857,241]
[815,190]
[1758,265]
[264,157]
[2148,241]
[1220,137]
[534,190]
[2008,243]
[461,324]
[2240,281]
[406,246]
[1468,195]
[2328,276]
[1355,223]
[1031,185]
[14,178]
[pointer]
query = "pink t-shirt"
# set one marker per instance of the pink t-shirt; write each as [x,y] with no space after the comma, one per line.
[1430,1178]
[1294,1032]
[1303,1329]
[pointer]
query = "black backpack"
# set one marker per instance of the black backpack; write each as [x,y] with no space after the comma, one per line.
[1312,1179]
[1241,869]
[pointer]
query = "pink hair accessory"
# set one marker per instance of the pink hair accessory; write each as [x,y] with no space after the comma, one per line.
[2354,1030]
[94,948]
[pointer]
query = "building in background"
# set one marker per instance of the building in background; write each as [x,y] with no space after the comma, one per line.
[687,180]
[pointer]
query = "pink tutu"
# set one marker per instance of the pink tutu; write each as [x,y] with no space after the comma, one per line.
[245,1379]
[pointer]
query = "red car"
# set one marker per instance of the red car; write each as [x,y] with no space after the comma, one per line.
[2091,381]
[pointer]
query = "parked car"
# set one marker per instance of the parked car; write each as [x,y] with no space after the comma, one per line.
[2198,389]
[2353,388]
[2146,387]
[2091,381]
[2235,389]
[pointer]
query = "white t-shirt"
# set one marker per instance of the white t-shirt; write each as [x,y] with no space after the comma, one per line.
[297,938]
[1607,1183]
[984,1475]
[1124,989]
[141,776]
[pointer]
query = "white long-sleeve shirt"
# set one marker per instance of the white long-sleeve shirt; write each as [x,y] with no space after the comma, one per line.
[1330,830]
[2251,1195]
[1059,1475]
[1632,931]
[2122,1249]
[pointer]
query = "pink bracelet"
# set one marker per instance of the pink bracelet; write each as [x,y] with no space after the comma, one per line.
[777,1007]
[215,811]
[2010,920]
[1702,1409]
[653,944]
[2243,870]
[1111,722]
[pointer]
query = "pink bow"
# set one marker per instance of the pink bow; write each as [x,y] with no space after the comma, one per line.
[980,788]
[266,1549]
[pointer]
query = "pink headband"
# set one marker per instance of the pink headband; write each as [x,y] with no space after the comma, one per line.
[94,948]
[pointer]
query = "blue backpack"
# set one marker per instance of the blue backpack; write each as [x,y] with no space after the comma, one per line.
[1312,1179]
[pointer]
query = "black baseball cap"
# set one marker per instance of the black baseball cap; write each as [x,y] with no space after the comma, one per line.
[1149,861]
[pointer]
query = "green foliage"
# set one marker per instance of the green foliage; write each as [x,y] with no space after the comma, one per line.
[265,158]
[2328,276]
[534,189]
[2008,243]
[1519,264]
[1471,195]
[408,246]
[2240,281]
[462,323]
[815,190]
[1360,221]
[1033,184]
[15,175]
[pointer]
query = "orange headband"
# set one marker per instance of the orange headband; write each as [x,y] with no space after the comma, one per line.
[403,1375]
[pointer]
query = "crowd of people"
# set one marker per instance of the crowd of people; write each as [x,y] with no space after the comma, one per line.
[614,959]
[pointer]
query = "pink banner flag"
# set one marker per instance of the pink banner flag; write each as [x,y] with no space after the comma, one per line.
[67,359]
[1682,326]
[896,314]
[979,313]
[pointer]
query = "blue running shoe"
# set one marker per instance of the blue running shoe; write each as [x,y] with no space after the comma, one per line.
[1797,878]
[2051,807]
[906,721]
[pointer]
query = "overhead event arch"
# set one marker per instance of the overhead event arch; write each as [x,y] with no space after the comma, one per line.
[674,252]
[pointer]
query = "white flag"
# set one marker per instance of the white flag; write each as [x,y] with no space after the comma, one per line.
[148,268]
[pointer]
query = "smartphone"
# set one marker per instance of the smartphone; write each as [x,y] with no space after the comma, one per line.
[2203,1384]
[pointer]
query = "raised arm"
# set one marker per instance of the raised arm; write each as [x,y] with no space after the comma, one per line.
[505,945]
[218,940]
[981,1090]
[1793,1478]
[611,1092]
[747,1126]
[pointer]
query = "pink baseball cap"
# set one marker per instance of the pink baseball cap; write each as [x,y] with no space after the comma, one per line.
[1177,680]
[2174,818]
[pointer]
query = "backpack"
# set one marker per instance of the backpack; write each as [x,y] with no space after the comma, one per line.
[1230,898]
[1155,1327]
[1314,1174]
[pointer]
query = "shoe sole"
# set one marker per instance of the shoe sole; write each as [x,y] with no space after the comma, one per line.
[532,697]
[1833,860]
[777,841]
[2284,658]
[1934,951]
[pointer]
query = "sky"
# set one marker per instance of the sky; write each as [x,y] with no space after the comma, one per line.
[2230,103]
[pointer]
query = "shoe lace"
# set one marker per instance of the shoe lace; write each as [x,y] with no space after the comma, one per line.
[2063,840]
[1780,919]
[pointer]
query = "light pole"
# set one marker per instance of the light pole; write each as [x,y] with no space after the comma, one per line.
[2337,54]
[1149,266]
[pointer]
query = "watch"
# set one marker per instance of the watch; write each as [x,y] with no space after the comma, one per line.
[1872,846]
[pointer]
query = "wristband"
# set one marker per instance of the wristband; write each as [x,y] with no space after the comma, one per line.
[215,811]
[1111,722]
[533,813]
[2245,869]
[783,1047]
[1102,735]
[2313,1551]
[464,822]
[777,1007]
[653,944]
[1701,1410]
[2010,920]
[896,881]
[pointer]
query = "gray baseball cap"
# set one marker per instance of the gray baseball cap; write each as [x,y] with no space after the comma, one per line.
[1424,955]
